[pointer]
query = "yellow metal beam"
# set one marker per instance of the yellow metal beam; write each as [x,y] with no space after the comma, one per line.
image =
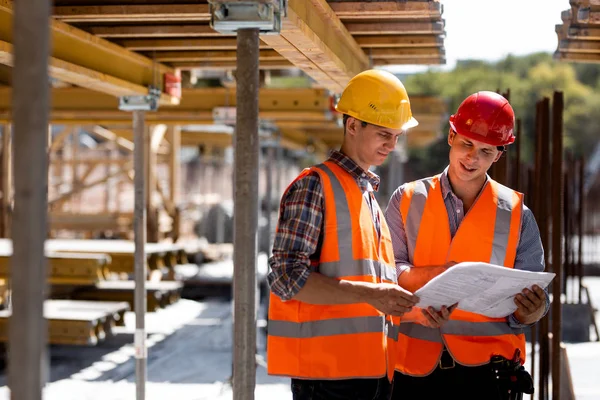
[88,61]
[314,39]
[193,100]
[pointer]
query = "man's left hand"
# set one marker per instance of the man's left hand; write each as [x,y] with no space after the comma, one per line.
[531,305]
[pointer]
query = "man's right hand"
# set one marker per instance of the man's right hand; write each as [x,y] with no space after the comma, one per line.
[391,299]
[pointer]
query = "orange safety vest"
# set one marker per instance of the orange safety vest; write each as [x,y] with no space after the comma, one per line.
[488,233]
[338,341]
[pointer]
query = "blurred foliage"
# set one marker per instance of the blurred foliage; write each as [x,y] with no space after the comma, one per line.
[529,79]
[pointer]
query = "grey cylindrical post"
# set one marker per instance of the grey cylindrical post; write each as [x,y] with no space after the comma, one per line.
[139,229]
[269,165]
[246,215]
[31,101]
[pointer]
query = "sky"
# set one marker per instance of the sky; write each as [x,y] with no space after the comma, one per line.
[492,29]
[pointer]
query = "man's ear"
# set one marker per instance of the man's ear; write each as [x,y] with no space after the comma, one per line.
[450,137]
[498,156]
[351,125]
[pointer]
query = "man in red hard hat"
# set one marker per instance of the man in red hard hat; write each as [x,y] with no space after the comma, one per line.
[457,216]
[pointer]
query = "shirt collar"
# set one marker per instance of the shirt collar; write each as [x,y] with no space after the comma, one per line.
[447,187]
[354,169]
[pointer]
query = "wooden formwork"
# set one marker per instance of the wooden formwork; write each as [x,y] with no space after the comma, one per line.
[579,34]
[76,322]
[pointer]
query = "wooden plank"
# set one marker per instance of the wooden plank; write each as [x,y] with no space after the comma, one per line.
[578,57]
[386,10]
[393,41]
[181,44]
[153,31]
[427,52]
[212,56]
[583,32]
[132,13]
[579,46]
[393,28]
[439,60]
[229,65]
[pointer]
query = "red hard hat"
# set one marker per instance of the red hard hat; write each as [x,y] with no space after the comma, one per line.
[486,117]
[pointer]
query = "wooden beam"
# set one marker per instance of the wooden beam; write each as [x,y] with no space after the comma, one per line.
[438,60]
[107,135]
[579,46]
[381,10]
[314,39]
[577,57]
[393,41]
[229,65]
[584,32]
[132,13]
[153,31]
[211,56]
[394,28]
[193,100]
[88,61]
[426,52]
[181,44]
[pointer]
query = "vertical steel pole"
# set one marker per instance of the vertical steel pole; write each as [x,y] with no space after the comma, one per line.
[580,222]
[139,225]
[31,101]
[246,216]
[269,165]
[557,182]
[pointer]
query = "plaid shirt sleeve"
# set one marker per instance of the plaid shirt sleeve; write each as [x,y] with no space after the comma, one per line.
[297,237]
[530,256]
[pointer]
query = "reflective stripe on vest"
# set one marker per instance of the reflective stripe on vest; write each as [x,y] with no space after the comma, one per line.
[489,232]
[337,341]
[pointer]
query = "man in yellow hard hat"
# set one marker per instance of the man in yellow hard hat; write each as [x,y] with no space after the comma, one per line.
[333,276]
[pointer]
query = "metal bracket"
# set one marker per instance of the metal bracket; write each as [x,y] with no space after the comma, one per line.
[228,16]
[148,102]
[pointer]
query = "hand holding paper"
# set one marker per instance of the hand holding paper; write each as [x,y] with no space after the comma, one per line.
[481,288]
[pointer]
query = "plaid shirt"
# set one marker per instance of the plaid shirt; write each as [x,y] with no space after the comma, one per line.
[298,238]
[530,253]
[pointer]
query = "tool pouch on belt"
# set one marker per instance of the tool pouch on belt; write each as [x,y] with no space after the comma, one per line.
[512,378]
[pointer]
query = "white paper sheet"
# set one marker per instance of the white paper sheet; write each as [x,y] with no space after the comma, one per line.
[480,288]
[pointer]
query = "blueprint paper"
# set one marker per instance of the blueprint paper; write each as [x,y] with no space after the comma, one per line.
[481,288]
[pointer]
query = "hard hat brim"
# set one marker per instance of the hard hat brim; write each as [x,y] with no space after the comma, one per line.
[411,123]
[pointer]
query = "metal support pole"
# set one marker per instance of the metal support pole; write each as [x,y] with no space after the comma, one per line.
[269,165]
[557,150]
[246,218]
[580,222]
[30,112]
[139,226]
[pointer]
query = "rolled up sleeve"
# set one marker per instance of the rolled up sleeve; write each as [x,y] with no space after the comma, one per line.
[395,223]
[530,256]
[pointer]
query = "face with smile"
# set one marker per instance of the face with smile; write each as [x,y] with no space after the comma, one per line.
[470,159]
[372,143]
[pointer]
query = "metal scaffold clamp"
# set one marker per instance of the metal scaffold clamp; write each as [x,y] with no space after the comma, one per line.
[228,16]
[147,102]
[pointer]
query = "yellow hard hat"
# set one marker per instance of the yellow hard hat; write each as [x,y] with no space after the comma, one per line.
[379,98]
